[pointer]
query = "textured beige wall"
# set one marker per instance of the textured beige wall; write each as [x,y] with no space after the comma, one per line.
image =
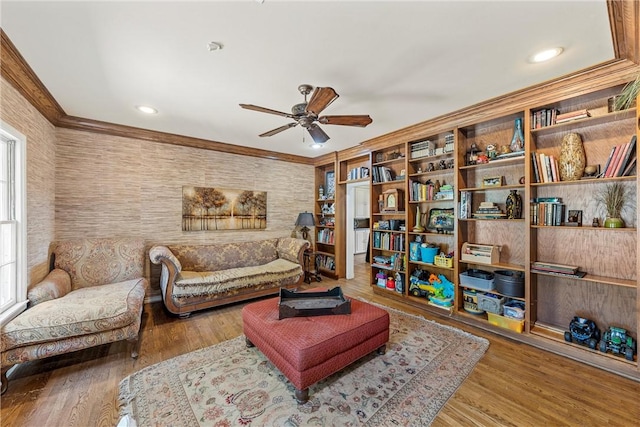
[41,155]
[81,184]
[107,186]
[114,186]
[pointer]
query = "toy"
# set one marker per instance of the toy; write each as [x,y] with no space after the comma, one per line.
[617,341]
[437,289]
[583,331]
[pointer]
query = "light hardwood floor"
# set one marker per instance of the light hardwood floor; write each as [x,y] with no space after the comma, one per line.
[514,384]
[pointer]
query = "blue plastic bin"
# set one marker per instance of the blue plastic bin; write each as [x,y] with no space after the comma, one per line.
[429,254]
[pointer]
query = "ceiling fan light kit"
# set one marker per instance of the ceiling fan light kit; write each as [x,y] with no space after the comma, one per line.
[307,114]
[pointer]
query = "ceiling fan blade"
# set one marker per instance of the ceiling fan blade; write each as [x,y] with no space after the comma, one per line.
[280,129]
[321,98]
[317,134]
[265,110]
[362,120]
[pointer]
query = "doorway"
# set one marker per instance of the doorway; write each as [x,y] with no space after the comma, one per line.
[357,225]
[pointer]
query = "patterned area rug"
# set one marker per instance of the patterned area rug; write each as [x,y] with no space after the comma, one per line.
[229,384]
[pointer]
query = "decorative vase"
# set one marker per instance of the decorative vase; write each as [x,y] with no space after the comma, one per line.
[517,142]
[418,228]
[613,223]
[572,159]
[514,205]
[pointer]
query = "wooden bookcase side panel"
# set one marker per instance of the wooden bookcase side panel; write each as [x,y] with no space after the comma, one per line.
[560,299]
[323,217]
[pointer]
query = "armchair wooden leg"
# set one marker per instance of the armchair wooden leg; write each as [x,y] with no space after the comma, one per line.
[134,347]
[5,381]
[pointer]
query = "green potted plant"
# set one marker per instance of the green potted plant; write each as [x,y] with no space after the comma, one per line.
[627,97]
[613,198]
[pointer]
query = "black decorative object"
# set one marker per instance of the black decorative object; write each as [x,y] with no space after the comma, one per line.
[514,205]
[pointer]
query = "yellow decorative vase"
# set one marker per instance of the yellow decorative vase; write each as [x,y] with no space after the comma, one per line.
[572,158]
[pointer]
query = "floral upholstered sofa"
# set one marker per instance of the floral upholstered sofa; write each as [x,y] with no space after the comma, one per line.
[198,277]
[93,296]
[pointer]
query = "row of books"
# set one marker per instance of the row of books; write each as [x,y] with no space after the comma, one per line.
[358,173]
[419,192]
[326,262]
[394,262]
[551,116]
[622,160]
[466,202]
[572,115]
[543,118]
[547,211]
[556,269]
[384,174]
[545,168]
[325,236]
[423,149]
[388,241]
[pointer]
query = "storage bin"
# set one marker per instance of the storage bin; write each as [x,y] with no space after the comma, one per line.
[467,280]
[491,303]
[470,297]
[514,310]
[505,322]
[443,261]
[428,254]
[509,283]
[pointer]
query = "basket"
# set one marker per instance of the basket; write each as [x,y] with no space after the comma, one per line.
[443,261]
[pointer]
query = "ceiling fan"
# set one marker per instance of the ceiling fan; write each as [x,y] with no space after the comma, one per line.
[306,114]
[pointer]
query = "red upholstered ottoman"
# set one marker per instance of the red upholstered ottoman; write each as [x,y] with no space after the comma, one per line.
[308,349]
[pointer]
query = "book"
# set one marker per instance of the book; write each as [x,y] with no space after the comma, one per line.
[543,167]
[614,159]
[547,161]
[613,150]
[572,115]
[630,167]
[628,155]
[623,152]
[534,166]
[554,169]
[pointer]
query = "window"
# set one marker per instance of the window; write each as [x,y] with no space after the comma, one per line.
[12,223]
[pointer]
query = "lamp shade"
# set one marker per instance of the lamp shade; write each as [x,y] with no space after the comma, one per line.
[305,219]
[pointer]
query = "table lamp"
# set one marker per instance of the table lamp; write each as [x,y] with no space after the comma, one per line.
[306,220]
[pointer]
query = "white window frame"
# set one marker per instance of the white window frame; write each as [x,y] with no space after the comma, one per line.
[20,187]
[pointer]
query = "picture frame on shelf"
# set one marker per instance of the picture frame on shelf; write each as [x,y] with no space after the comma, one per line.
[574,218]
[492,181]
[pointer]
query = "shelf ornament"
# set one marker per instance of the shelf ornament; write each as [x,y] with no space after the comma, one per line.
[572,158]
[517,141]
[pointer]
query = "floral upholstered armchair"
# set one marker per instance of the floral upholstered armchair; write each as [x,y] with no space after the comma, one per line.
[93,296]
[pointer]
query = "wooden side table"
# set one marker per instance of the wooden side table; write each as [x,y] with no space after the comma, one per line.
[311,268]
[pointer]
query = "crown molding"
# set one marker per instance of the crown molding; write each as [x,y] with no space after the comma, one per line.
[624,17]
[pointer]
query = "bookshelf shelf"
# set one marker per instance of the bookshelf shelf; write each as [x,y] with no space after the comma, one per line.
[595,279]
[573,125]
[502,187]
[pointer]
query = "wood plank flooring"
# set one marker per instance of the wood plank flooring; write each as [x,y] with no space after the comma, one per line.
[513,385]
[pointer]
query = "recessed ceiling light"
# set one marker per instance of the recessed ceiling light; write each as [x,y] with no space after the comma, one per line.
[546,55]
[316,146]
[147,110]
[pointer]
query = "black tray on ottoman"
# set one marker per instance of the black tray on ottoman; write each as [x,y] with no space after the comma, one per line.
[302,304]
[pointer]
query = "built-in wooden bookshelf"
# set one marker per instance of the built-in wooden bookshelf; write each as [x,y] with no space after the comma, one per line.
[327,232]
[609,292]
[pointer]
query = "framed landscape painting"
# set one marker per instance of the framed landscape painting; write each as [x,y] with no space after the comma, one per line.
[210,209]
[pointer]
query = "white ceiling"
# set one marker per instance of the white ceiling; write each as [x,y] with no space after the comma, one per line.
[400,62]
